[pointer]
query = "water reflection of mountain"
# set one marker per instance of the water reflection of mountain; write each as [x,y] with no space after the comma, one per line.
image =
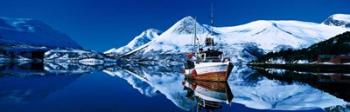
[23,68]
[30,82]
[338,108]
[332,83]
[39,68]
[150,79]
[169,81]
[249,88]
[256,91]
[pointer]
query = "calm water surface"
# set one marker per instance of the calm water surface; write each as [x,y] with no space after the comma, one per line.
[163,88]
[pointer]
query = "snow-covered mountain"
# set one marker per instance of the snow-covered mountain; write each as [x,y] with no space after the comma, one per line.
[144,37]
[242,42]
[342,20]
[20,31]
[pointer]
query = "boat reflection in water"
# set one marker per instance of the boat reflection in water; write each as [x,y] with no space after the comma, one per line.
[209,95]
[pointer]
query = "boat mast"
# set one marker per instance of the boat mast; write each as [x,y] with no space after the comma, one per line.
[211,24]
[211,18]
[195,36]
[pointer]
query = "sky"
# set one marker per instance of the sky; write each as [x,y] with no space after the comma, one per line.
[103,24]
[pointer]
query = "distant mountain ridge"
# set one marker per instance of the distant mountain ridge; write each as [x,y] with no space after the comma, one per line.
[24,31]
[145,37]
[342,20]
[241,42]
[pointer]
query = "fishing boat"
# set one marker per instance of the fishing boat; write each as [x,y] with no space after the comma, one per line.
[209,95]
[207,61]
[210,71]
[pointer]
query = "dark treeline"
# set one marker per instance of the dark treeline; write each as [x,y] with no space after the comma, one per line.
[338,45]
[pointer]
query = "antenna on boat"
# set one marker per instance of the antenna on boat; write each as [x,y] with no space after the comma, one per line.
[209,41]
[212,24]
[195,35]
[211,17]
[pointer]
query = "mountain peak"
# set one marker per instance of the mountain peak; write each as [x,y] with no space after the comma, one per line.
[143,38]
[342,20]
[344,17]
[187,18]
[151,31]
[186,26]
[242,42]
[24,24]
[33,32]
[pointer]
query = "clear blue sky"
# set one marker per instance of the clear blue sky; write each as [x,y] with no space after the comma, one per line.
[103,24]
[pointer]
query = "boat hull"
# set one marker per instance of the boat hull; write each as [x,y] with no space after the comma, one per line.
[210,71]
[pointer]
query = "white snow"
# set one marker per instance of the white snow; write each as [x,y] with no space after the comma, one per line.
[138,41]
[343,17]
[340,20]
[266,35]
[269,34]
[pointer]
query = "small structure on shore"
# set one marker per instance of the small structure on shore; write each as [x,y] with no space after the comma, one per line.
[336,59]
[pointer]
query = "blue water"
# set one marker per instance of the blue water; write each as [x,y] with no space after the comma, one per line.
[102,92]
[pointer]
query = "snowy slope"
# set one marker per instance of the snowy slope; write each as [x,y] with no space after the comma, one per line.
[178,38]
[271,34]
[32,32]
[266,34]
[242,42]
[144,37]
[342,20]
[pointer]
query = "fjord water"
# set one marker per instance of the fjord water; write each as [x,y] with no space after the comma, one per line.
[162,88]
